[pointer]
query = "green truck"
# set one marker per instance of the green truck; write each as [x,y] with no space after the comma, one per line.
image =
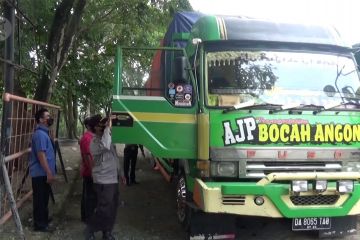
[251,117]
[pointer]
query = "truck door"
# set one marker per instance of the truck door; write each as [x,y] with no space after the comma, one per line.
[155,102]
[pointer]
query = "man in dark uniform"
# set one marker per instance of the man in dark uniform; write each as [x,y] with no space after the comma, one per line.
[130,157]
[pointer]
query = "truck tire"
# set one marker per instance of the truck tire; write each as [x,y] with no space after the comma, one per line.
[184,212]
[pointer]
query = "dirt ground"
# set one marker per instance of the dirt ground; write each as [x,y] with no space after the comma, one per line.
[146,211]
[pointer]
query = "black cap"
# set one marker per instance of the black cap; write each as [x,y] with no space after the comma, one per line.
[94,120]
[87,121]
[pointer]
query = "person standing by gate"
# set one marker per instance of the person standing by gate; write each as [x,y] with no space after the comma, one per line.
[88,199]
[42,169]
[130,158]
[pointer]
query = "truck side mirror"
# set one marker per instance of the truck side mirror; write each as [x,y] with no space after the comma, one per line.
[180,70]
[329,91]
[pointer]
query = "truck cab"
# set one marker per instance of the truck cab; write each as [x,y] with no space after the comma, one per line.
[254,117]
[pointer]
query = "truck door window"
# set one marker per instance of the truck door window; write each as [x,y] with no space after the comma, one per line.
[141,75]
[179,88]
[157,73]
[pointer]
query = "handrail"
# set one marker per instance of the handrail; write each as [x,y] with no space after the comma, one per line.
[16,155]
[8,97]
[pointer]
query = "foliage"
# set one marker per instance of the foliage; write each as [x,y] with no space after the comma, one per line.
[83,81]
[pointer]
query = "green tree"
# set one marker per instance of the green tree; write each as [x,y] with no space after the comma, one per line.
[70,48]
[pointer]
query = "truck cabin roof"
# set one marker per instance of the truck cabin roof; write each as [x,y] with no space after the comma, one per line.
[212,28]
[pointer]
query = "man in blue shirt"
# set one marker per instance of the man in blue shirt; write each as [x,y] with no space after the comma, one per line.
[42,169]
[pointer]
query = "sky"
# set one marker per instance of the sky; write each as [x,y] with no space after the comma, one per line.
[344,15]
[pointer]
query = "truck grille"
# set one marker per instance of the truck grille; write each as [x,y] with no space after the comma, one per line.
[314,200]
[233,200]
[259,169]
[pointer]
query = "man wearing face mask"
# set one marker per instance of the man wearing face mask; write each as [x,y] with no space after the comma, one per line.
[42,169]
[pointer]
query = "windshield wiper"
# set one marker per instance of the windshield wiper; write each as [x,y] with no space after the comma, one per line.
[239,106]
[285,107]
[250,104]
[291,107]
[331,106]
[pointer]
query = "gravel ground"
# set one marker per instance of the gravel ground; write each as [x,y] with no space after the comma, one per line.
[147,211]
[144,212]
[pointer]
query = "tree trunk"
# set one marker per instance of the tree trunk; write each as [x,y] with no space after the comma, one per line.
[70,114]
[62,33]
[65,115]
[75,114]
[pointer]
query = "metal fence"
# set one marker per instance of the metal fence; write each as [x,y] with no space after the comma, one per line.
[15,148]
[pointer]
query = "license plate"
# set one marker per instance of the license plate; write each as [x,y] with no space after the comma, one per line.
[311,223]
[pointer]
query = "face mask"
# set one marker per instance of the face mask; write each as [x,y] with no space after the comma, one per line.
[50,121]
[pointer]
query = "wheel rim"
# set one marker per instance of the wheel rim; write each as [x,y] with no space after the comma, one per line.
[181,199]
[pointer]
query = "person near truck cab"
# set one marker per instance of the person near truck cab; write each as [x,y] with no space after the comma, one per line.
[105,173]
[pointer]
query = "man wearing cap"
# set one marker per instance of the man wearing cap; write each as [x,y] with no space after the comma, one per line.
[105,172]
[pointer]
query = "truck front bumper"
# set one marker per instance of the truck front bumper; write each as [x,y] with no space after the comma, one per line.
[238,197]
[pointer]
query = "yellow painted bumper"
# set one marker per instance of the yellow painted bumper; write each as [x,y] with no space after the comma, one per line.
[211,197]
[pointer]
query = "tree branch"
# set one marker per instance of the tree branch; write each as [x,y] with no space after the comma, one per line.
[96,20]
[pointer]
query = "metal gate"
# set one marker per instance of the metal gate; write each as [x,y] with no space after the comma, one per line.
[17,127]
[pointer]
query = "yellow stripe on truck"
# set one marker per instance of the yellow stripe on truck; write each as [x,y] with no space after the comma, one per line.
[163,117]
[356,209]
[203,136]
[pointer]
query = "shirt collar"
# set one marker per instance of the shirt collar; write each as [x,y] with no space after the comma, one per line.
[42,127]
[89,132]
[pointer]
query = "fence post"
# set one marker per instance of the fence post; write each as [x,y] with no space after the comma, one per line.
[9,13]
[2,187]
[10,195]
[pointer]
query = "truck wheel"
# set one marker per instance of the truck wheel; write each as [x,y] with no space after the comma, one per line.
[182,196]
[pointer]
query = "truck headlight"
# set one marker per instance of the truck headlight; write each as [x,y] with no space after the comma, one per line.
[320,185]
[299,186]
[345,186]
[224,169]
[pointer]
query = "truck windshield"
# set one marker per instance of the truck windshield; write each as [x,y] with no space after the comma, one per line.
[274,77]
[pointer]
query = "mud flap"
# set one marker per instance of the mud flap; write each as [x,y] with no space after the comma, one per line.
[206,226]
[340,226]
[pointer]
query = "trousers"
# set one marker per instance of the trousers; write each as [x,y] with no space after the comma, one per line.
[104,216]
[41,194]
[130,158]
[88,199]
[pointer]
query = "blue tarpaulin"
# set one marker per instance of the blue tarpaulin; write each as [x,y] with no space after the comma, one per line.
[182,23]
